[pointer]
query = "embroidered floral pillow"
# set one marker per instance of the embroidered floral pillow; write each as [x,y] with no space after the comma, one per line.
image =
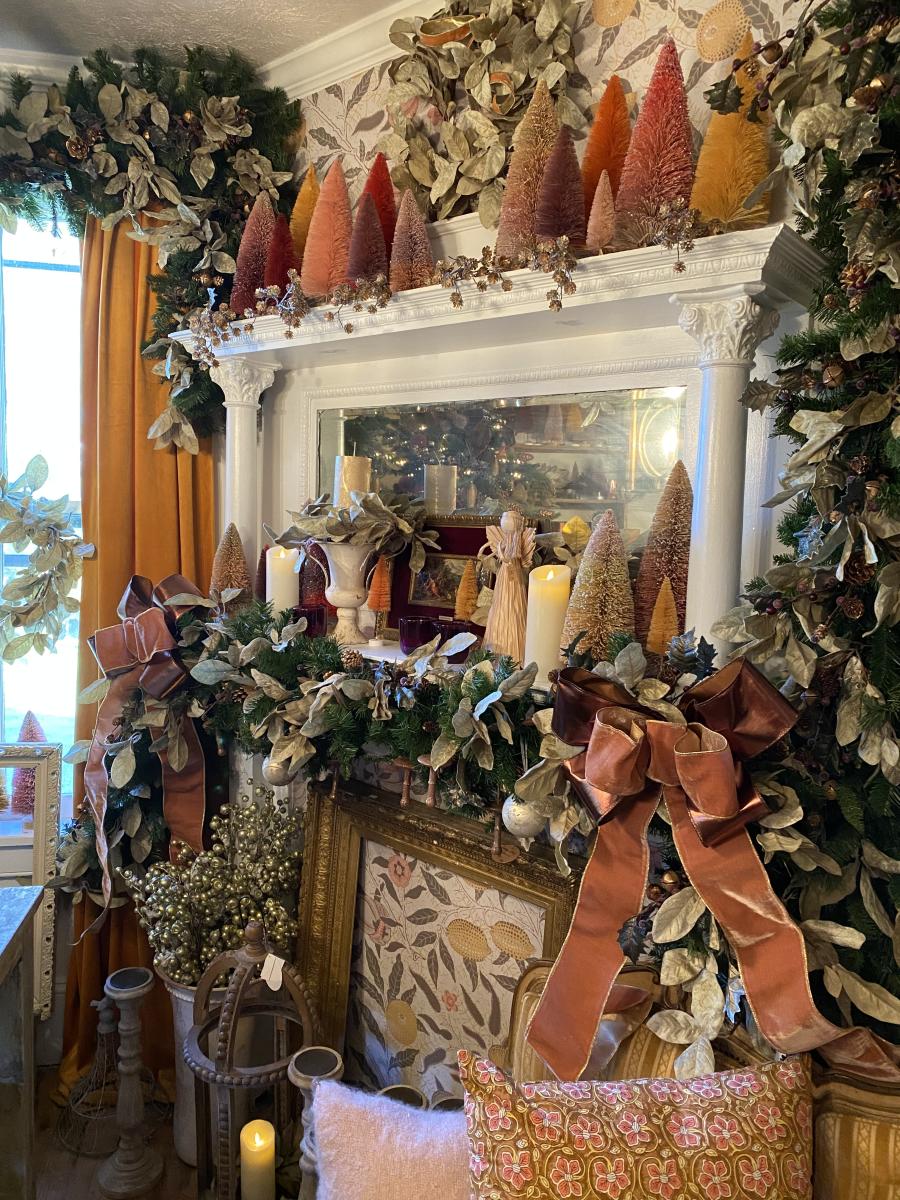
[731,1136]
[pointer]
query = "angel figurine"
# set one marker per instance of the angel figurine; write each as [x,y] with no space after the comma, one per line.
[513,545]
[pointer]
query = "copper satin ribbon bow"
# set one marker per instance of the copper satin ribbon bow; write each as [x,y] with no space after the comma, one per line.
[631,759]
[140,654]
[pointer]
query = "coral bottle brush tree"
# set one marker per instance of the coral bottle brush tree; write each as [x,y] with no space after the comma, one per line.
[830,607]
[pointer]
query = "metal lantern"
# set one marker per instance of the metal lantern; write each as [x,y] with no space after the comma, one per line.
[209,1050]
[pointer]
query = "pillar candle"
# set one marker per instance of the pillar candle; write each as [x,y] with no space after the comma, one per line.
[548,599]
[352,473]
[282,582]
[440,488]
[258,1161]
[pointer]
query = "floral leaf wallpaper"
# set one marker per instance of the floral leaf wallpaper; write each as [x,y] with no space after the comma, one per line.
[611,37]
[436,959]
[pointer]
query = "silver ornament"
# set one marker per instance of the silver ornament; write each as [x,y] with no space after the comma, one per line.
[277,774]
[522,820]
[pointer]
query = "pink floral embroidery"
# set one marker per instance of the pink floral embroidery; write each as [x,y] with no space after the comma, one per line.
[755,1174]
[399,870]
[742,1083]
[633,1126]
[586,1133]
[564,1175]
[685,1129]
[767,1118]
[713,1179]
[576,1091]
[725,1133]
[803,1117]
[663,1180]
[530,1090]
[614,1093]
[497,1116]
[478,1163]
[609,1177]
[705,1086]
[486,1071]
[515,1168]
[666,1089]
[789,1075]
[547,1124]
[797,1171]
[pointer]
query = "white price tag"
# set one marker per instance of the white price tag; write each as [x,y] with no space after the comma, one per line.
[271,971]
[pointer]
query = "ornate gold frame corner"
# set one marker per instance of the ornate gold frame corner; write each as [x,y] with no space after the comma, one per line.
[335,829]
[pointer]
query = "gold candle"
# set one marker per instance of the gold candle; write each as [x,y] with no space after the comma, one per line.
[352,473]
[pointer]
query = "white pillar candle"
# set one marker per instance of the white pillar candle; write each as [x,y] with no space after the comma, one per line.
[352,473]
[548,599]
[440,488]
[258,1161]
[282,581]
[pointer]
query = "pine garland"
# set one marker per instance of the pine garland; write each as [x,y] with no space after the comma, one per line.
[74,169]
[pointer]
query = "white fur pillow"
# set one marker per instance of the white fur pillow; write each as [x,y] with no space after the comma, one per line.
[372,1148]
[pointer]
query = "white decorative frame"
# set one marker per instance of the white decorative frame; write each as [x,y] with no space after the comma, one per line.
[31,857]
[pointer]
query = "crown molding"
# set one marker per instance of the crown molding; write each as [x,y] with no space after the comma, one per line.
[346,52]
[42,68]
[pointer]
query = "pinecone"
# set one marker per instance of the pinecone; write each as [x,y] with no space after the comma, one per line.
[351,660]
[77,148]
[857,570]
[854,277]
[853,608]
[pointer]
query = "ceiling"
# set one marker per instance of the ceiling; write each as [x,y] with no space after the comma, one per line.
[262,30]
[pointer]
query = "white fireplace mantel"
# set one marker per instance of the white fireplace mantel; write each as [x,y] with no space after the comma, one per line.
[633,322]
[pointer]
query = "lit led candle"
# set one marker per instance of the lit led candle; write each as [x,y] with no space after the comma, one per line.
[440,488]
[258,1161]
[282,582]
[352,473]
[548,599]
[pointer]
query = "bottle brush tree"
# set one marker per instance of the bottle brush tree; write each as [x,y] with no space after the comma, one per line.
[302,212]
[535,139]
[667,552]
[282,255]
[602,219]
[659,165]
[327,250]
[560,203]
[466,593]
[368,256]
[607,143]
[252,255]
[380,187]
[23,789]
[601,603]
[230,570]
[412,260]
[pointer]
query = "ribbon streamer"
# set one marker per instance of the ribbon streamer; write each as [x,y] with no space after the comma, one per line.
[140,654]
[631,760]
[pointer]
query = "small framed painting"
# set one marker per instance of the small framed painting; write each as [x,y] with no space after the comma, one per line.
[431,592]
[413,939]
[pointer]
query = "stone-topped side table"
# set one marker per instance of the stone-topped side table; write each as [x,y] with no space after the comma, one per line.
[17,908]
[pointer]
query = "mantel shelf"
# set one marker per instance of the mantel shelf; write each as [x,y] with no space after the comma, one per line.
[616,293]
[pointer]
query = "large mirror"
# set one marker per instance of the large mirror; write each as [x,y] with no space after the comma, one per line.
[555,457]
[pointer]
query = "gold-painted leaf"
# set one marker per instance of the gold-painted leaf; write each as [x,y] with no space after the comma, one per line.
[673,1025]
[677,915]
[870,998]
[697,1060]
[123,766]
[680,966]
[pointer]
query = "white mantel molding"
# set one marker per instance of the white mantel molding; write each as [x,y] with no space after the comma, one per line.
[631,319]
[615,293]
[346,52]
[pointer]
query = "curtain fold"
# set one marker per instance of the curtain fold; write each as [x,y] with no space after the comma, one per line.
[148,512]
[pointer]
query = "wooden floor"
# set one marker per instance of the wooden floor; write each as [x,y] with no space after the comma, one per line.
[62,1175]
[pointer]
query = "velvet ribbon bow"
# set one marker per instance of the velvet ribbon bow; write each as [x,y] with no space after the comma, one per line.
[632,760]
[140,654]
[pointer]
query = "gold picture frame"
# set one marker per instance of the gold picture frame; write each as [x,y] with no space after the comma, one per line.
[337,831]
[30,853]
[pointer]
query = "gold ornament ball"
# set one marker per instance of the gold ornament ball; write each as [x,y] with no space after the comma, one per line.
[833,375]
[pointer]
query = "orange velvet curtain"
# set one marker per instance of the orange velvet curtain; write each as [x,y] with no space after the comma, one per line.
[149,512]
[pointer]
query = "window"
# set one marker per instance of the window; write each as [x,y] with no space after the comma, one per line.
[40,373]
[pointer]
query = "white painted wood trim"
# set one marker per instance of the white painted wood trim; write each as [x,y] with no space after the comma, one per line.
[330,59]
